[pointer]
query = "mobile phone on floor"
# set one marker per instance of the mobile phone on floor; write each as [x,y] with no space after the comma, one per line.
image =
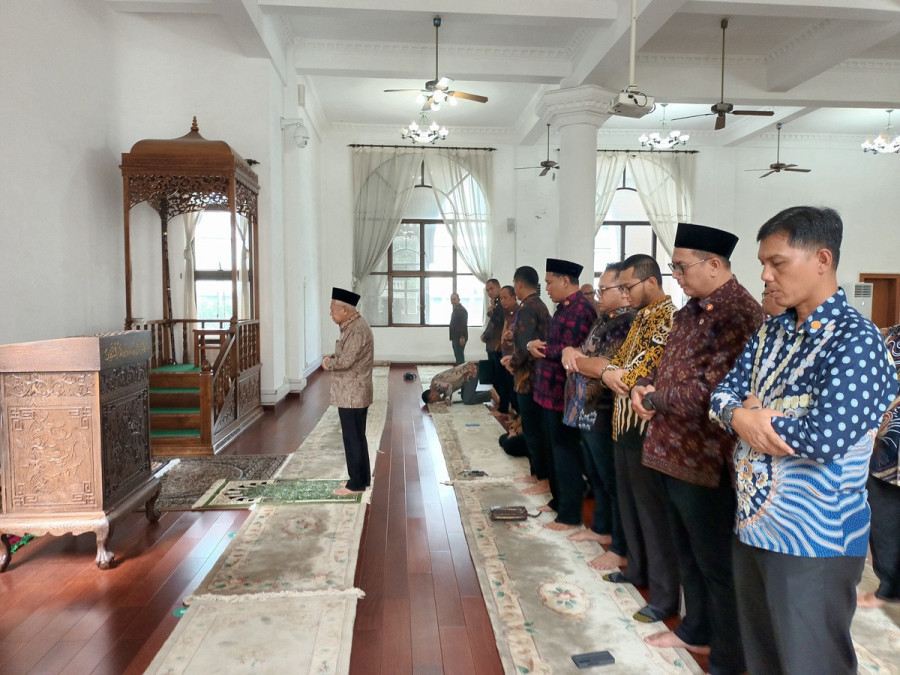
[592,659]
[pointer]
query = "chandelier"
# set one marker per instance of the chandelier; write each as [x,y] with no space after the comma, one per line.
[886,142]
[422,132]
[664,138]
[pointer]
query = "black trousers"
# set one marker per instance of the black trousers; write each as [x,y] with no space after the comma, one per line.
[533,431]
[701,520]
[459,351]
[600,467]
[884,538]
[502,381]
[567,472]
[356,447]
[642,503]
[795,612]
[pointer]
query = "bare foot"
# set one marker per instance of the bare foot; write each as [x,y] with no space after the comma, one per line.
[542,487]
[343,492]
[667,638]
[607,561]
[543,508]
[559,527]
[526,479]
[590,535]
[868,600]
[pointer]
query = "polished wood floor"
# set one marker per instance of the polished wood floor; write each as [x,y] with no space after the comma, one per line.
[423,611]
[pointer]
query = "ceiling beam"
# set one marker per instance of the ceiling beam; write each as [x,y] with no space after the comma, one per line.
[605,10]
[869,10]
[825,45]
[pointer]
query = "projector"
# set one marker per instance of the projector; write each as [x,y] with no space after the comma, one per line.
[630,103]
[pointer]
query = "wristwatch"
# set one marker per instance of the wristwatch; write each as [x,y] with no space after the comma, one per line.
[727,413]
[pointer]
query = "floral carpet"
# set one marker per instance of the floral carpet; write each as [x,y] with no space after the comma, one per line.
[242,494]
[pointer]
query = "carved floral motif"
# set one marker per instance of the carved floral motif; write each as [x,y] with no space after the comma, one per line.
[49,385]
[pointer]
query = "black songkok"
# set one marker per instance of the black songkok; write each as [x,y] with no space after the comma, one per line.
[564,267]
[703,238]
[344,296]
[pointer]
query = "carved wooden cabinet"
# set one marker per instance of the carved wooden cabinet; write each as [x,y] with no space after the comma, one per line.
[75,437]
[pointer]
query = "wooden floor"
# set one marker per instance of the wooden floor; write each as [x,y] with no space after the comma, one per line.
[423,611]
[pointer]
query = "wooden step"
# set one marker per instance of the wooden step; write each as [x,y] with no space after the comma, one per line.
[174,397]
[174,418]
[175,379]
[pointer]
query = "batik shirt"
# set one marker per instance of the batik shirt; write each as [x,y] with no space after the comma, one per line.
[640,355]
[494,328]
[507,337]
[532,321]
[585,397]
[707,336]
[569,326]
[452,379]
[832,379]
[885,465]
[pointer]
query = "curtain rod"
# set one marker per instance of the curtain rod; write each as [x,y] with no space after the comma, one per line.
[658,152]
[423,147]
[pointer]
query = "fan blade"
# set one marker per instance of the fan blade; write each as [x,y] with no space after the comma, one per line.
[690,117]
[800,170]
[518,168]
[768,174]
[468,97]
[720,122]
[427,105]
[758,113]
[785,166]
[544,172]
[443,84]
[392,90]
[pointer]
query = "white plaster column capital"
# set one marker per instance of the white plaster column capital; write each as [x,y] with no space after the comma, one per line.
[588,104]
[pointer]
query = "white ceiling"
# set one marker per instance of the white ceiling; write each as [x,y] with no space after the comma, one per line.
[826,67]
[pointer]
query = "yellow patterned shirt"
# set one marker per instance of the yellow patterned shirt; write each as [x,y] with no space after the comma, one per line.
[640,355]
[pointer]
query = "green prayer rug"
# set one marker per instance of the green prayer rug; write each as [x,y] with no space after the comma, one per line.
[242,494]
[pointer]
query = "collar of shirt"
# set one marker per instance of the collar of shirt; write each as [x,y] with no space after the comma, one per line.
[347,322]
[616,312]
[653,307]
[816,322]
[570,299]
[717,299]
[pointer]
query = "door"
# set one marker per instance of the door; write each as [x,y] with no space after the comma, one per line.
[885,298]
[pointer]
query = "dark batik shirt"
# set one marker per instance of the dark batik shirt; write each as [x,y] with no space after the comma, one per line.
[885,463]
[459,323]
[706,337]
[569,327]
[507,337]
[532,321]
[588,402]
[494,328]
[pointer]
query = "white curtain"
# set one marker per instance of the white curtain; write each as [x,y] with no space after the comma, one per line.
[383,180]
[190,221]
[609,177]
[664,182]
[243,232]
[461,183]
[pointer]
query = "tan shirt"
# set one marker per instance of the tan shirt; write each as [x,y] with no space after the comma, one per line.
[354,352]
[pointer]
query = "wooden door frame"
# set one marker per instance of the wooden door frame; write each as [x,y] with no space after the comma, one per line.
[867,277]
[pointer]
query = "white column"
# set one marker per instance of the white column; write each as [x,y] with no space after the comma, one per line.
[578,113]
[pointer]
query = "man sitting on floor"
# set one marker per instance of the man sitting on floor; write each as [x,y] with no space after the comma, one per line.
[462,378]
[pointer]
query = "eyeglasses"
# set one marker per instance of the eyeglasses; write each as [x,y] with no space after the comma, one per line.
[602,289]
[627,289]
[678,268]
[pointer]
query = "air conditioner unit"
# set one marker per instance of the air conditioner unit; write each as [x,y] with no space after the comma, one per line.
[861,299]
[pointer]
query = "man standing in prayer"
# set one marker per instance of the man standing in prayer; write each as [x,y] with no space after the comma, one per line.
[507,347]
[651,553]
[571,321]
[459,329]
[805,398]
[692,453]
[532,321]
[491,336]
[589,407]
[351,386]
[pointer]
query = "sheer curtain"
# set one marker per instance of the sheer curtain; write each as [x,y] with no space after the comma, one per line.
[243,231]
[609,177]
[664,183]
[190,221]
[461,183]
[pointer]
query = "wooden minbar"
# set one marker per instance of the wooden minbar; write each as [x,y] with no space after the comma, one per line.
[75,437]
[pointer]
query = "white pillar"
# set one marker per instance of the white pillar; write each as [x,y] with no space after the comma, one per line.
[578,113]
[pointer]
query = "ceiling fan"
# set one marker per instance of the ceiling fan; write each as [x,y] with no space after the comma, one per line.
[722,108]
[437,91]
[547,164]
[779,166]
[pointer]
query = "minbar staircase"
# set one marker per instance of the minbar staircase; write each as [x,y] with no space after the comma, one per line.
[176,411]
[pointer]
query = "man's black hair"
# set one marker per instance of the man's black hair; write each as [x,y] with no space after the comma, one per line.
[527,275]
[645,267]
[512,291]
[491,281]
[807,227]
[614,267]
[425,396]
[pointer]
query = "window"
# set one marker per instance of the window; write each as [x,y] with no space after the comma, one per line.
[422,268]
[626,230]
[212,265]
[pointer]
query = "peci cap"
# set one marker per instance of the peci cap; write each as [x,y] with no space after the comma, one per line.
[566,267]
[349,297]
[703,238]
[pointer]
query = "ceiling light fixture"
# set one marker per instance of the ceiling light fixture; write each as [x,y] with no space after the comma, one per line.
[422,132]
[886,142]
[664,138]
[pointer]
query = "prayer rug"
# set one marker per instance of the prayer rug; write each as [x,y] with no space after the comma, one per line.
[288,550]
[279,635]
[186,480]
[242,494]
[427,372]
